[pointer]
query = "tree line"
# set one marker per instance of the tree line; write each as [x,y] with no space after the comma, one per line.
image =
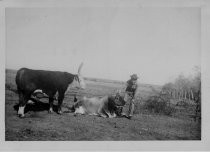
[184,87]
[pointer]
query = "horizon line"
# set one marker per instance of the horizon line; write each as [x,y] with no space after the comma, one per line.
[106,80]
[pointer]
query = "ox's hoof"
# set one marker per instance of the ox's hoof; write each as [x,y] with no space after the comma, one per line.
[104,116]
[21,115]
[50,110]
[21,111]
[60,112]
[128,117]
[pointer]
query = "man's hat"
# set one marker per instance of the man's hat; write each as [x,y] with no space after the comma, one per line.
[134,76]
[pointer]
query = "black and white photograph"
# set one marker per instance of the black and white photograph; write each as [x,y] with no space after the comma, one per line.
[109,72]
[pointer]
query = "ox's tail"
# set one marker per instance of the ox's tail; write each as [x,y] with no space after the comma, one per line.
[18,78]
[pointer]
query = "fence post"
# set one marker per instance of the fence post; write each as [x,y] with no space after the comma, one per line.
[192,96]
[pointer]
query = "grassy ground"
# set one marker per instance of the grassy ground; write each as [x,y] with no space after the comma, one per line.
[39,125]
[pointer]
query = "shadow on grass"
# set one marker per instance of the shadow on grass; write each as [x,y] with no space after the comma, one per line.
[36,106]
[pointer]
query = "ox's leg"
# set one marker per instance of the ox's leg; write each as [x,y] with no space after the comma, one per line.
[22,103]
[51,105]
[60,101]
[110,115]
[51,99]
[113,115]
[20,108]
[103,113]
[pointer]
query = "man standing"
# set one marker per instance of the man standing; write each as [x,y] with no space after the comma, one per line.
[130,91]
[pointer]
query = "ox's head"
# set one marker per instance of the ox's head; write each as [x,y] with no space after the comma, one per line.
[79,81]
[117,102]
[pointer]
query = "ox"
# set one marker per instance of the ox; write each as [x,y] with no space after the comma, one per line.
[107,106]
[49,82]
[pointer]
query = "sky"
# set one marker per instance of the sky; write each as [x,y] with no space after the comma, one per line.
[157,44]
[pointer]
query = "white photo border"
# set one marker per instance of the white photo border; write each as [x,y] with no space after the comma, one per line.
[203,144]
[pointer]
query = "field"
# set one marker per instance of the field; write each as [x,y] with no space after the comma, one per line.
[38,125]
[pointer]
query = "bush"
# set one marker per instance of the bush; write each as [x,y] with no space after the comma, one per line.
[158,105]
[139,108]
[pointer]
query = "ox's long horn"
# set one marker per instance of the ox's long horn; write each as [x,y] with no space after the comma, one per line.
[80,67]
